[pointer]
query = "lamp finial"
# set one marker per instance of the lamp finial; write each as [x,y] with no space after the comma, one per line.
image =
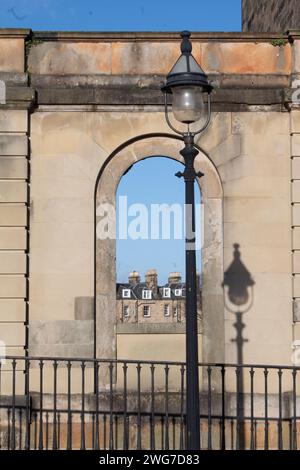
[186,45]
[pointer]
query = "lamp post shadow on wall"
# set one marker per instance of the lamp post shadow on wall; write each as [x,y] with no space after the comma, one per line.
[238,285]
[187,85]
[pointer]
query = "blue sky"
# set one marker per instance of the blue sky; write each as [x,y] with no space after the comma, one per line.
[122,15]
[153,181]
[133,15]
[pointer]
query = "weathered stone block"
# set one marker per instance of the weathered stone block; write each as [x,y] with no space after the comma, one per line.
[296,145]
[296,191]
[13,238]
[245,58]
[296,238]
[13,191]
[13,145]
[84,308]
[13,262]
[296,285]
[13,215]
[296,168]
[12,55]
[295,121]
[153,58]
[296,262]
[296,312]
[13,334]
[73,58]
[296,215]
[13,168]
[12,310]
[13,120]
[12,286]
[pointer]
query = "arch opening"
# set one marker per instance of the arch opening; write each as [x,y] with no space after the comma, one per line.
[115,167]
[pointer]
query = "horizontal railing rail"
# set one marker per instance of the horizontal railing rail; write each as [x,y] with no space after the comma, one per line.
[80,403]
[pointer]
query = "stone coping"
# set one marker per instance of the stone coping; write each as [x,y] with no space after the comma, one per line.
[133,36]
[167,36]
[14,32]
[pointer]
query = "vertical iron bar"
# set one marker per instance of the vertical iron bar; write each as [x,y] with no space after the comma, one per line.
[47,430]
[280,409]
[266,446]
[294,409]
[139,427]
[104,432]
[13,414]
[35,431]
[125,424]
[28,407]
[41,364]
[69,418]
[8,429]
[82,414]
[111,424]
[54,443]
[58,431]
[167,443]
[182,433]
[223,438]
[116,431]
[152,418]
[252,408]
[20,429]
[209,422]
[97,443]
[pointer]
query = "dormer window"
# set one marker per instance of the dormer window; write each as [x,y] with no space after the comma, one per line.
[167,292]
[126,293]
[178,292]
[147,294]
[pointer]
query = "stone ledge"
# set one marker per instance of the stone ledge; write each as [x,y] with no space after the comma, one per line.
[131,95]
[251,81]
[14,32]
[153,36]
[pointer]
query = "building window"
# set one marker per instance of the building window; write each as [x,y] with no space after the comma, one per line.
[166,310]
[175,311]
[126,294]
[125,311]
[147,294]
[167,292]
[146,311]
[178,292]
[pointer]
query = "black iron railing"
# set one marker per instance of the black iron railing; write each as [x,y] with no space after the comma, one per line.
[63,403]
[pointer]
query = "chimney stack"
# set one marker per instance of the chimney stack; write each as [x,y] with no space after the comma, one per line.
[174,278]
[151,279]
[134,278]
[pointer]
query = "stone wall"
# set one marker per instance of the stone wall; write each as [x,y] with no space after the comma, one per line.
[270,15]
[91,106]
[14,198]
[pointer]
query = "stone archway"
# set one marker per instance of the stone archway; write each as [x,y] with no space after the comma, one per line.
[105,250]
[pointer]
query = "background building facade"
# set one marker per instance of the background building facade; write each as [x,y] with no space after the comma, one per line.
[149,303]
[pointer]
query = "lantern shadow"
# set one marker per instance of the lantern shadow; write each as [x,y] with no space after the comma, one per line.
[238,289]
